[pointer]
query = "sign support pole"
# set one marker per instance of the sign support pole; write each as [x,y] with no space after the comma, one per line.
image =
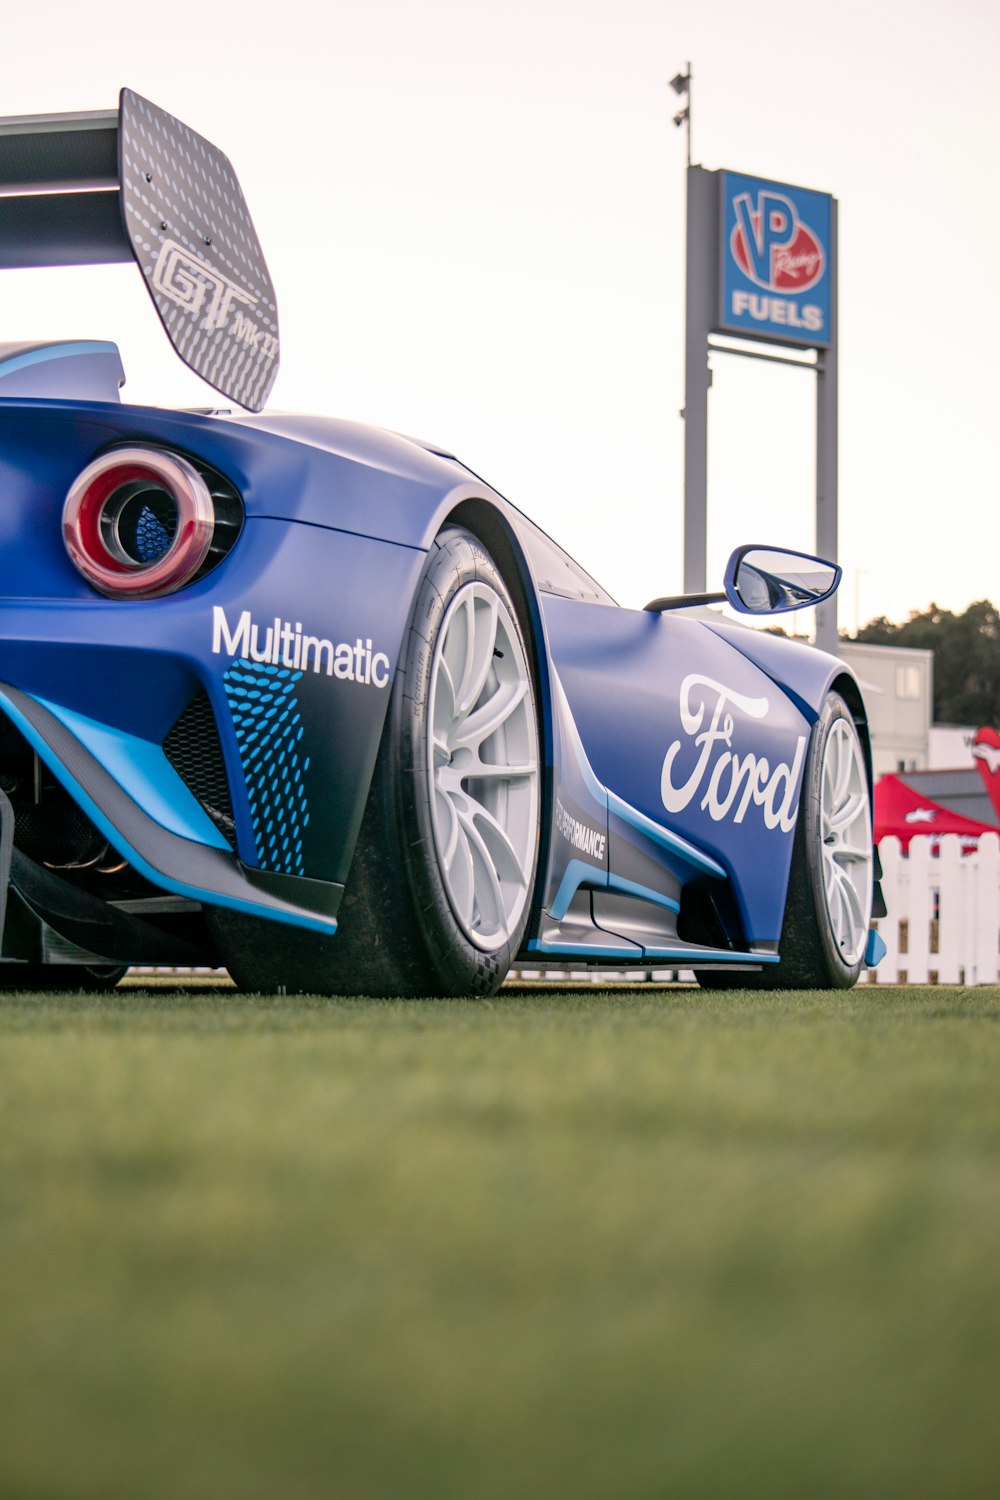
[702,280]
[826,453]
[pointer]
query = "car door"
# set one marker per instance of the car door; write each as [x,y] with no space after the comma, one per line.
[691,740]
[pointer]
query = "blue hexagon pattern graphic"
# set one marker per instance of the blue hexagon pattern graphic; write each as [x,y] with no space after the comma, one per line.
[151,536]
[268,728]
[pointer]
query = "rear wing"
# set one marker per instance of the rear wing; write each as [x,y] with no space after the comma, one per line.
[136,184]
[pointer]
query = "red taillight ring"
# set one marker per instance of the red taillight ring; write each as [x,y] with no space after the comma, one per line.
[111,489]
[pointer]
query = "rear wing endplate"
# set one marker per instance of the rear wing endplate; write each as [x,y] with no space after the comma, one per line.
[136,184]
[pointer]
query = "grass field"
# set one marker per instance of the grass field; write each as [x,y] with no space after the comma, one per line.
[614,1244]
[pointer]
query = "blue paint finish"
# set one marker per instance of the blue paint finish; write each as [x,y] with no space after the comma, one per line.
[338,519]
[574,746]
[629,951]
[576,874]
[143,771]
[686,957]
[802,673]
[26,357]
[578,802]
[679,956]
[633,888]
[625,674]
[134,666]
[565,880]
[45,445]
[74,370]
[680,848]
[875,949]
[631,815]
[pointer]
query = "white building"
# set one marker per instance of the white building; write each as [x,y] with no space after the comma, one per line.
[951,747]
[898,686]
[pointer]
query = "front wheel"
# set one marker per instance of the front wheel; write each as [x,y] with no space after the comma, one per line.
[829,904]
[441,885]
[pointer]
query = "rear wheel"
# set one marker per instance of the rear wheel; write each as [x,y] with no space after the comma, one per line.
[21,977]
[829,904]
[440,889]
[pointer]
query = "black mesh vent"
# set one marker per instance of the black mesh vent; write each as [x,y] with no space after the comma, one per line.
[193,749]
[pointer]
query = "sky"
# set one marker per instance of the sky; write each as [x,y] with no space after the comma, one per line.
[473,214]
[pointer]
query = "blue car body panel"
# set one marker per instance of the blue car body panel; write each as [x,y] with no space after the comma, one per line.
[674,747]
[201,633]
[628,680]
[133,665]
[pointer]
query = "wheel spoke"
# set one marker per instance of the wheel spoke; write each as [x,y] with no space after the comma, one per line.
[489,894]
[850,902]
[484,810]
[444,698]
[482,615]
[851,854]
[442,800]
[847,812]
[462,878]
[846,913]
[479,770]
[494,713]
[837,914]
[483,829]
[456,645]
[844,766]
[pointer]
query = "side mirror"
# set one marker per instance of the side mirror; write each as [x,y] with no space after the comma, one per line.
[772,580]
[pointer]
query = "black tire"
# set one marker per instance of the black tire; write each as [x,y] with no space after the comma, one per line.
[16,978]
[402,931]
[829,901]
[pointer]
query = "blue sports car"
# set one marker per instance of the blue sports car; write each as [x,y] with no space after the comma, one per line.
[312,701]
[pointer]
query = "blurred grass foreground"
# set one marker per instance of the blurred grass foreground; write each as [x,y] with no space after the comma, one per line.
[619,1244]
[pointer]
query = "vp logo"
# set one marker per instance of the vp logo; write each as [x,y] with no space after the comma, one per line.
[772,245]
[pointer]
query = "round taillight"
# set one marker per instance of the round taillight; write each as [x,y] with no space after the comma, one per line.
[138,522]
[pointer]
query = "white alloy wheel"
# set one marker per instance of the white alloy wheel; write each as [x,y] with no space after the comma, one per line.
[824,930]
[439,893]
[482,761]
[845,830]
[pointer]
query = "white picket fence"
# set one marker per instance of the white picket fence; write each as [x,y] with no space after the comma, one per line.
[943,925]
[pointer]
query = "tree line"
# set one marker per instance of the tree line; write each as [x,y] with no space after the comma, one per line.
[966,657]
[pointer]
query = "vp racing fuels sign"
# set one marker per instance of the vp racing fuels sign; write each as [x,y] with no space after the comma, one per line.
[776,263]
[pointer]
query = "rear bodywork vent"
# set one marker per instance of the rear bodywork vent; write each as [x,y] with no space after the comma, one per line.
[142,521]
[194,750]
[228,516]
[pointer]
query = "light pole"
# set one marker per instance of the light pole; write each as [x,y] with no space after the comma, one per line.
[681,85]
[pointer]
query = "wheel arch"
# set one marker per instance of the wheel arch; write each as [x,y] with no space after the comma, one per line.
[494,530]
[491,527]
[847,686]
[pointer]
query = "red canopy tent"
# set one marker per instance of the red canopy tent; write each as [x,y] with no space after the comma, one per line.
[901,811]
[986,754]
